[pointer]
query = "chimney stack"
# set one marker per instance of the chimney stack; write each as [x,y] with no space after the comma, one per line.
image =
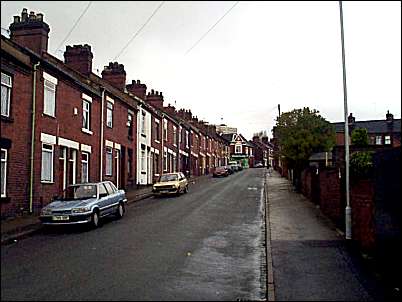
[79,58]
[115,74]
[256,138]
[389,117]
[138,89]
[170,109]
[154,98]
[265,140]
[351,119]
[30,31]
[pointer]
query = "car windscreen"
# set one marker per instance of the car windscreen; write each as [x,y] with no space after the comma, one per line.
[168,177]
[80,192]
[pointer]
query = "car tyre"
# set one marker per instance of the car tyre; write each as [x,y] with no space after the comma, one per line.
[120,210]
[186,189]
[95,220]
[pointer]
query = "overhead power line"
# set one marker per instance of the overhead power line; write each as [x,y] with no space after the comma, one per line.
[75,24]
[204,35]
[138,31]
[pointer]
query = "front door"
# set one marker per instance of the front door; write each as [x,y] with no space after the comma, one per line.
[62,177]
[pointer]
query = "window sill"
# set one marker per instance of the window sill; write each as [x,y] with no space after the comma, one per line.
[7,119]
[48,115]
[87,131]
[157,141]
[47,182]
[5,199]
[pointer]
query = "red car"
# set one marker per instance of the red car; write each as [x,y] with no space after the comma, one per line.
[220,171]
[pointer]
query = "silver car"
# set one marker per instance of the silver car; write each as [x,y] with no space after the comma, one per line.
[85,203]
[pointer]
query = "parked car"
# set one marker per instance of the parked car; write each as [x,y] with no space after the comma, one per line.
[229,170]
[171,183]
[234,166]
[85,203]
[258,165]
[220,171]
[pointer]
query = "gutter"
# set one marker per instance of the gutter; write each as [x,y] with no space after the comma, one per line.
[31,179]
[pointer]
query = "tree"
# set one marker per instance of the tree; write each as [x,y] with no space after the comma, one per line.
[360,137]
[300,133]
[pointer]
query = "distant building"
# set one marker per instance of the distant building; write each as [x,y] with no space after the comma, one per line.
[222,128]
[241,150]
[380,132]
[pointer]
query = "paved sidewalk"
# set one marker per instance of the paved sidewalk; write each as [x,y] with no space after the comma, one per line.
[20,227]
[311,261]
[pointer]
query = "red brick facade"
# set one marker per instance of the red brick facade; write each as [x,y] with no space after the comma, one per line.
[86,125]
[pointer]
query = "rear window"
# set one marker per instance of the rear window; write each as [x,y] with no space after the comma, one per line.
[109,188]
[168,177]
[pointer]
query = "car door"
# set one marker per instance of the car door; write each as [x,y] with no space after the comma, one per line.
[182,181]
[103,199]
[113,197]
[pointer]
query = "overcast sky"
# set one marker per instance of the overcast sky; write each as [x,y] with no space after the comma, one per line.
[261,54]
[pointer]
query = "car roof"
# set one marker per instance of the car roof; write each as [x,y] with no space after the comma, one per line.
[89,183]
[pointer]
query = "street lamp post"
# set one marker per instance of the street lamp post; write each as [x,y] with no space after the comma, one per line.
[348,209]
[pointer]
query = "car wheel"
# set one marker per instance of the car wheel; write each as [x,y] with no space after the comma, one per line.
[120,210]
[95,219]
[186,189]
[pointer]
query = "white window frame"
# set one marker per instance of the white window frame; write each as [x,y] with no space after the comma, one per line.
[174,135]
[143,123]
[236,149]
[143,161]
[51,151]
[49,86]
[157,132]
[165,160]
[165,130]
[109,114]
[187,139]
[83,163]
[130,117]
[4,184]
[378,140]
[86,112]
[8,87]
[109,161]
[387,140]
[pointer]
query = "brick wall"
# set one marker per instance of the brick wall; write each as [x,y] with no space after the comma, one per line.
[330,199]
[362,203]
[17,185]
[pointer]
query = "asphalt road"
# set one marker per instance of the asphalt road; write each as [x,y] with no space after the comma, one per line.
[204,245]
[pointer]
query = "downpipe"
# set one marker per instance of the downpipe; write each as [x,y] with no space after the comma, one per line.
[31,178]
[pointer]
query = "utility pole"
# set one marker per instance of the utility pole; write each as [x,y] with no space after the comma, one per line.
[348,209]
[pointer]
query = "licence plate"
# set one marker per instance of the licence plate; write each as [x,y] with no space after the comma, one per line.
[164,191]
[60,218]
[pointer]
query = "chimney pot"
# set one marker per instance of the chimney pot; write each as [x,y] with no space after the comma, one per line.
[17,19]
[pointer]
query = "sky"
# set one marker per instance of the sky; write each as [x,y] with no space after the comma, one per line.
[259,55]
